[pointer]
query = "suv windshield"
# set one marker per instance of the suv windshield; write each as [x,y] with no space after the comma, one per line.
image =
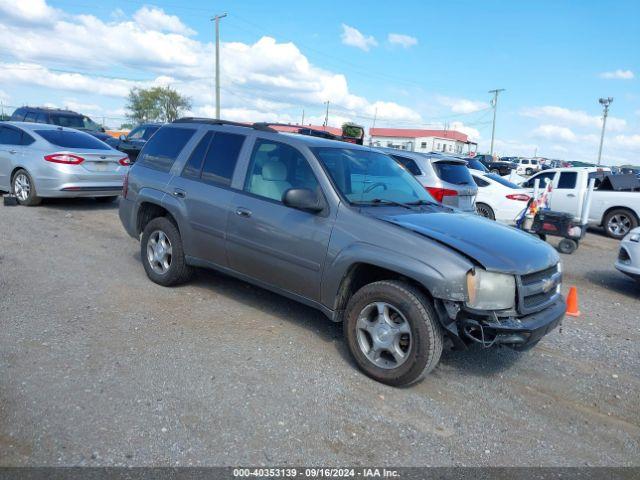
[366,177]
[453,172]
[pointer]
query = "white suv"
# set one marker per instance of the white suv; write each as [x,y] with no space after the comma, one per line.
[528,166]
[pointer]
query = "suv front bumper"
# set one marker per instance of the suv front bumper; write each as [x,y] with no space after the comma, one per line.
[515,332]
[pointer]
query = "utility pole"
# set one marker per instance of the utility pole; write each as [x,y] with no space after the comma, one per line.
[216,19]
[605,102]
[373,125]
[495,107]
[326,115]
[302,122]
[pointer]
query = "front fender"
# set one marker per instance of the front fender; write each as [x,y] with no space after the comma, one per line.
[444,278]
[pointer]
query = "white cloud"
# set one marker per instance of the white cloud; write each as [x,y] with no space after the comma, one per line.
[27,11]
[4,96]
[618,75]
[555,132]
[627,141]
[354,38]
[154,18]
[461,105]
[573,118]
[402,40]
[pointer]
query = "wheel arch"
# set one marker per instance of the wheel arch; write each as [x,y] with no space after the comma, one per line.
[147,211]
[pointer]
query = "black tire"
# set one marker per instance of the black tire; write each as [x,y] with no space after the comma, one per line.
[613,217]
[32,198]
[425,346]
[485,211]
[567,246]
[178,271]
[106,199]
[496,171]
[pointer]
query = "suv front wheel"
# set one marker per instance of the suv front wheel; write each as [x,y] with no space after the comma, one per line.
[392,332]
[162,253]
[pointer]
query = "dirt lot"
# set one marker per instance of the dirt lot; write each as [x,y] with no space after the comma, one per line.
[99,366]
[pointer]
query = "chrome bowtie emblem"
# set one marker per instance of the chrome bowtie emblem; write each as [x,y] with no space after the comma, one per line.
[547,285]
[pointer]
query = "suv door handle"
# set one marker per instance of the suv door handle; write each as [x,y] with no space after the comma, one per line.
[571,195]
[179,193]
[243,212]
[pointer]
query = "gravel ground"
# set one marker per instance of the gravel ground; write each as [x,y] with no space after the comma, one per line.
[99,366]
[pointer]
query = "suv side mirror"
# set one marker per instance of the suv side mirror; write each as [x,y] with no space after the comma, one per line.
[123,138]
[303,199]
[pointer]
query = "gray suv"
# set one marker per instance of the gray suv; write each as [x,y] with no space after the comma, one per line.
[344,229]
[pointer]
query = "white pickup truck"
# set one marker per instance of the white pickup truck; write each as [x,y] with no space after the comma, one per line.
[617,211]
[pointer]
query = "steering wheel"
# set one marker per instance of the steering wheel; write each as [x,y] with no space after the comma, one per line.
[375,185]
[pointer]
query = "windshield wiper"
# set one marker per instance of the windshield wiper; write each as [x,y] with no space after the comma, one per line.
[380,201]
[422,202]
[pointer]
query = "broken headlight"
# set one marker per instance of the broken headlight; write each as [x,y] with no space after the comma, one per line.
[490,291]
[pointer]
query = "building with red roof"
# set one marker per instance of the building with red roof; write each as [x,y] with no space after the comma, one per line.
[422,140]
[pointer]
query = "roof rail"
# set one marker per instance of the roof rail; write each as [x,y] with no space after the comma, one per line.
[303,130]
[212,121]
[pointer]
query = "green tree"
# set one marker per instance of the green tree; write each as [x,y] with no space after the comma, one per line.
[157,104]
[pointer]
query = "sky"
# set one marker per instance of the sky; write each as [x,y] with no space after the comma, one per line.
[403,64]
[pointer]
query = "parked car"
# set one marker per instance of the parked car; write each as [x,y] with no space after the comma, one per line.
[132,143]
[62,118]
[495,165]
[446,178]
[617,211]
[475,164]
[629,255]
[39,160]
[498,198]
[344,229]
[528,166]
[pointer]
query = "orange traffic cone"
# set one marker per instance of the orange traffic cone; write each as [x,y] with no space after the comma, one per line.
[572,303]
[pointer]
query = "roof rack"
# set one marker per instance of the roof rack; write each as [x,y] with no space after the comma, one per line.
[211,121]
[303,130]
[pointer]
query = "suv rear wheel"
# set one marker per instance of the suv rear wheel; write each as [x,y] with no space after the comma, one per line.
[162,253]
[392,332]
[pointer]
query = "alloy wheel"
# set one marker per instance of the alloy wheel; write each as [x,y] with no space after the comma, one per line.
[159,252]
[619,224]
[384,335]
[22,186]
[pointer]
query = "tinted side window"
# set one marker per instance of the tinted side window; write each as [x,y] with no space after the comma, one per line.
[27,139]
[42,118]
[30,117]
[275,168]
[568,180]
[221,159]
[18,115]
[480,182]
[408,164]
[10,136]
[161,151]
[194,165]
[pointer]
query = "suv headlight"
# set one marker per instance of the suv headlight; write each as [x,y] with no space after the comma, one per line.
[490,291]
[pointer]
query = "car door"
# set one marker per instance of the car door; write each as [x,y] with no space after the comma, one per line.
[203,187]
[268,241]
[11,152]
[565,196]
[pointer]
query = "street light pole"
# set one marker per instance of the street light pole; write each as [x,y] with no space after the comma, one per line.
[216,19]
[495,107]
[605,102]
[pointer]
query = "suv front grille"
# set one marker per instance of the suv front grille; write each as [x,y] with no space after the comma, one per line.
[538,289]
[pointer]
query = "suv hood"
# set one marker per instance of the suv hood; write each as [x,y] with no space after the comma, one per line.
[494,246]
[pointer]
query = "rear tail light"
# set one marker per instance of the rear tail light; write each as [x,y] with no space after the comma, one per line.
[518,196]
[125,185]
[124,161]
[64,158]
[440,193]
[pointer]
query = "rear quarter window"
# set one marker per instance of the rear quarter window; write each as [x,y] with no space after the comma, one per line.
[162,149]
[453,172]
[72,139]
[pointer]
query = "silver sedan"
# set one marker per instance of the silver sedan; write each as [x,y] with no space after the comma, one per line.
[40,160]
[629,254]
